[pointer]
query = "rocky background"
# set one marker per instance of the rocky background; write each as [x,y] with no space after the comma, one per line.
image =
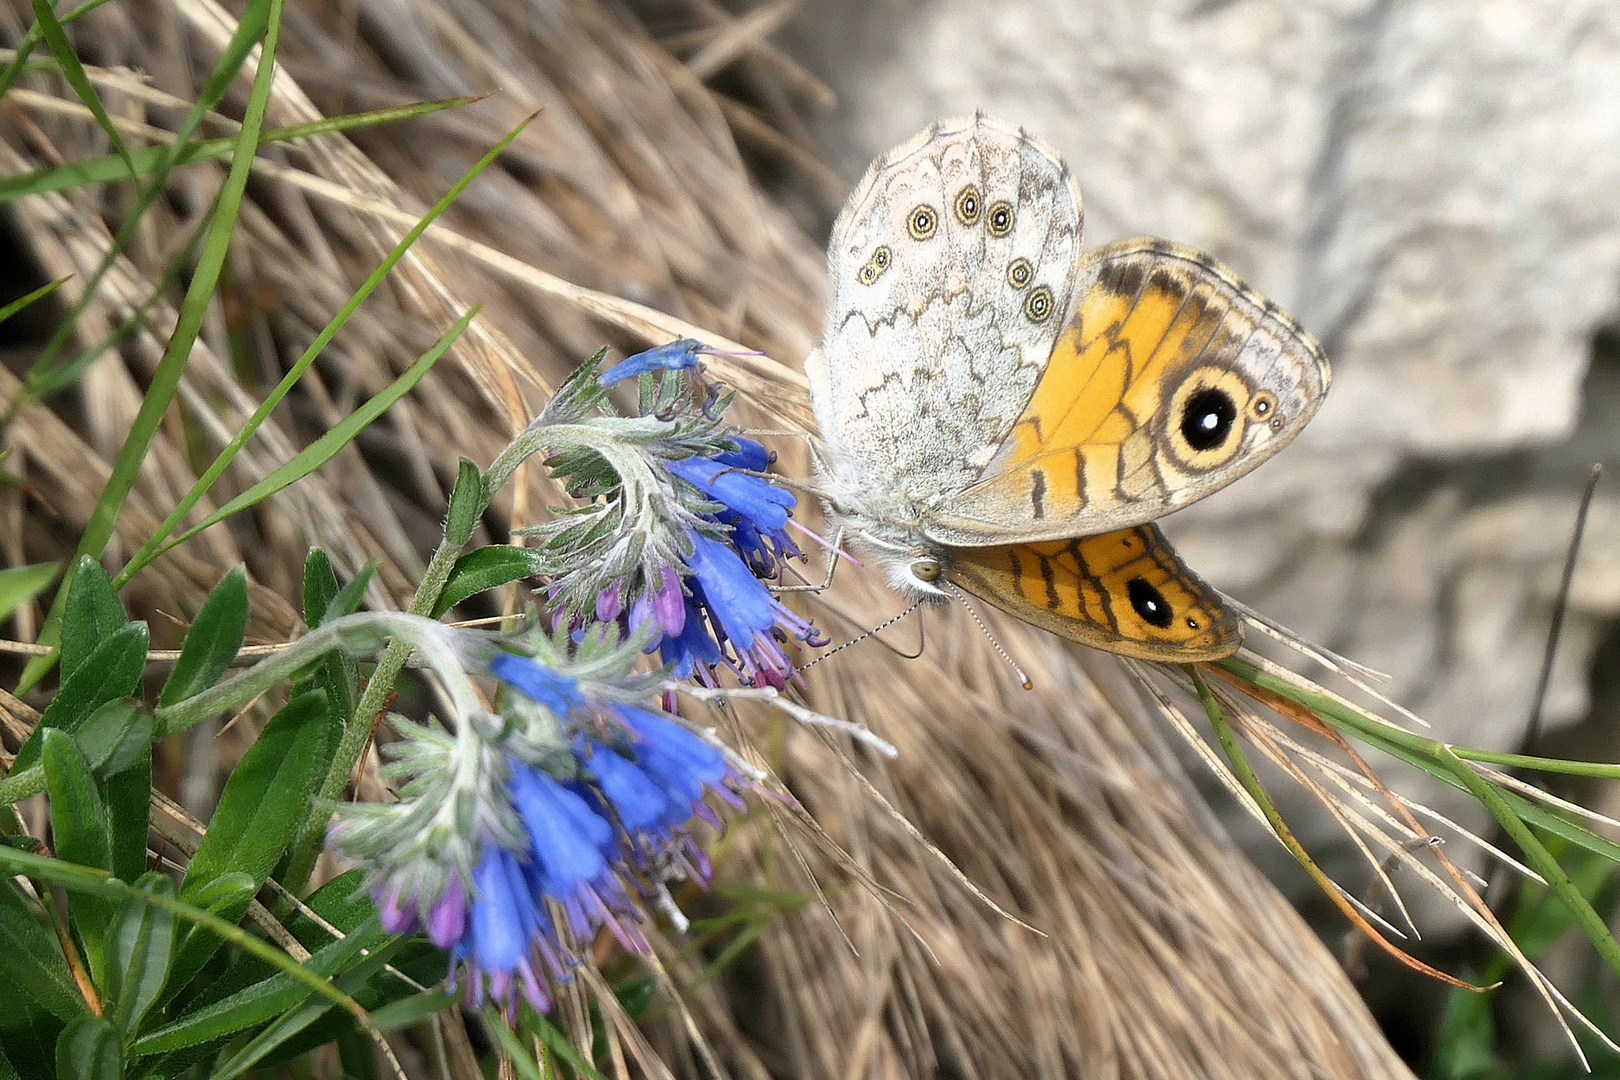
[1433,187]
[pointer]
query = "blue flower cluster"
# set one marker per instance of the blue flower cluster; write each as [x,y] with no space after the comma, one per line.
[715,609]
[584,847]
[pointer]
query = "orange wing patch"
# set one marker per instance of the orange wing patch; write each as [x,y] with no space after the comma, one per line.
[1170,380]
[1126,592]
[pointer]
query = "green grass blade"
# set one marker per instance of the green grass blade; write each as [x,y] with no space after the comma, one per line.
[148,550]
[149,159]
[73,71]
[25,47]
[327,446]
[89,881]
[23,301]
[166,377]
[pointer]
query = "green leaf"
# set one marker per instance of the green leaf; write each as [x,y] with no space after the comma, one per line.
[264,797]
[100,170]
[325,448]
[487,568]
[8,1071]
[139,945]
[320,585]
[38,294]
[128,797]
[93,612]
[31,960]
[20,584]
[56,40]
[254,1004]
[348,599]
[466,503]
[88,1050]
[114,737]
[212,642]
[411,1010]
[111,672]
[258,812]
[80,828]
[32,38]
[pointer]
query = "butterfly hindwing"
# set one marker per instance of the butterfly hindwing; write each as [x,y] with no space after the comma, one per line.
[1124,591]
[1170,380]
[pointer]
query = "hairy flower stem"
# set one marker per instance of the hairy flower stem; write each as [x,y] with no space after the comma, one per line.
[357,731]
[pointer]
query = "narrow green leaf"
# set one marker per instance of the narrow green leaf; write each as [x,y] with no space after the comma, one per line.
[411,1010]
[320,585]
[193,308]
[487,568]
[32,38]
[31,960]
[264,797]
[88,1050]
[80,828]
[81,879]
[212,642]
[20,584]
[127,795]
[347,600]
[114,736]
[327,446]
[113,671]
[78,818]
[56,41]
[93,612]
[101,170]
[290,1023]
[466,502]
[38,294]
[253,1004]
[139,945]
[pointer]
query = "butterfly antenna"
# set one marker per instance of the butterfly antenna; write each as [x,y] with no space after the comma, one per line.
[1560,606]
[873,632]
[991,638]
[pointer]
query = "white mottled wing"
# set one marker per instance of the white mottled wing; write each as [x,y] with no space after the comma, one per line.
[953,269]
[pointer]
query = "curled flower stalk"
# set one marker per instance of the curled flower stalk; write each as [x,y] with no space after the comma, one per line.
[680,527]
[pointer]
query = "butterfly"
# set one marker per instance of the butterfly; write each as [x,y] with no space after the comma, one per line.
[1005,413]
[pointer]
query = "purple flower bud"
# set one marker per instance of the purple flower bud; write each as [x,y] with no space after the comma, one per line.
[679,354]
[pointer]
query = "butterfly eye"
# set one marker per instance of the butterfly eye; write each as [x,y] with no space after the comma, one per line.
[968,205]
[1038,307]
[999,220]
[922,223]
[925,569]
[1149,603]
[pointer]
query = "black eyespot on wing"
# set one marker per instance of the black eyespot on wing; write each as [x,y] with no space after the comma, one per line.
[968,205]
[1020,273]
[1208,417]
[1149,603]
[922,222]
[1038,305]
[998,220]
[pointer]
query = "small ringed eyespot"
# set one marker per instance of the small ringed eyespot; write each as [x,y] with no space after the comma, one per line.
[1262,405]
[925,569]
[866,274]
[874,266]
[998,219]
[880,258]
[968,205]
[1192,623]
[1038,305]
[1020,273]
[922,223]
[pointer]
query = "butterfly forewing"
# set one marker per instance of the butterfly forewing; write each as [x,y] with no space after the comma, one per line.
[1124,591]
[1171,380]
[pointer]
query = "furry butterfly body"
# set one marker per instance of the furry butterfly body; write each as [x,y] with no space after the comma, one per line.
[1003,411]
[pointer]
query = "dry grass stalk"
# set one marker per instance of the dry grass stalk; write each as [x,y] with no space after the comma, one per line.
[1165,955]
